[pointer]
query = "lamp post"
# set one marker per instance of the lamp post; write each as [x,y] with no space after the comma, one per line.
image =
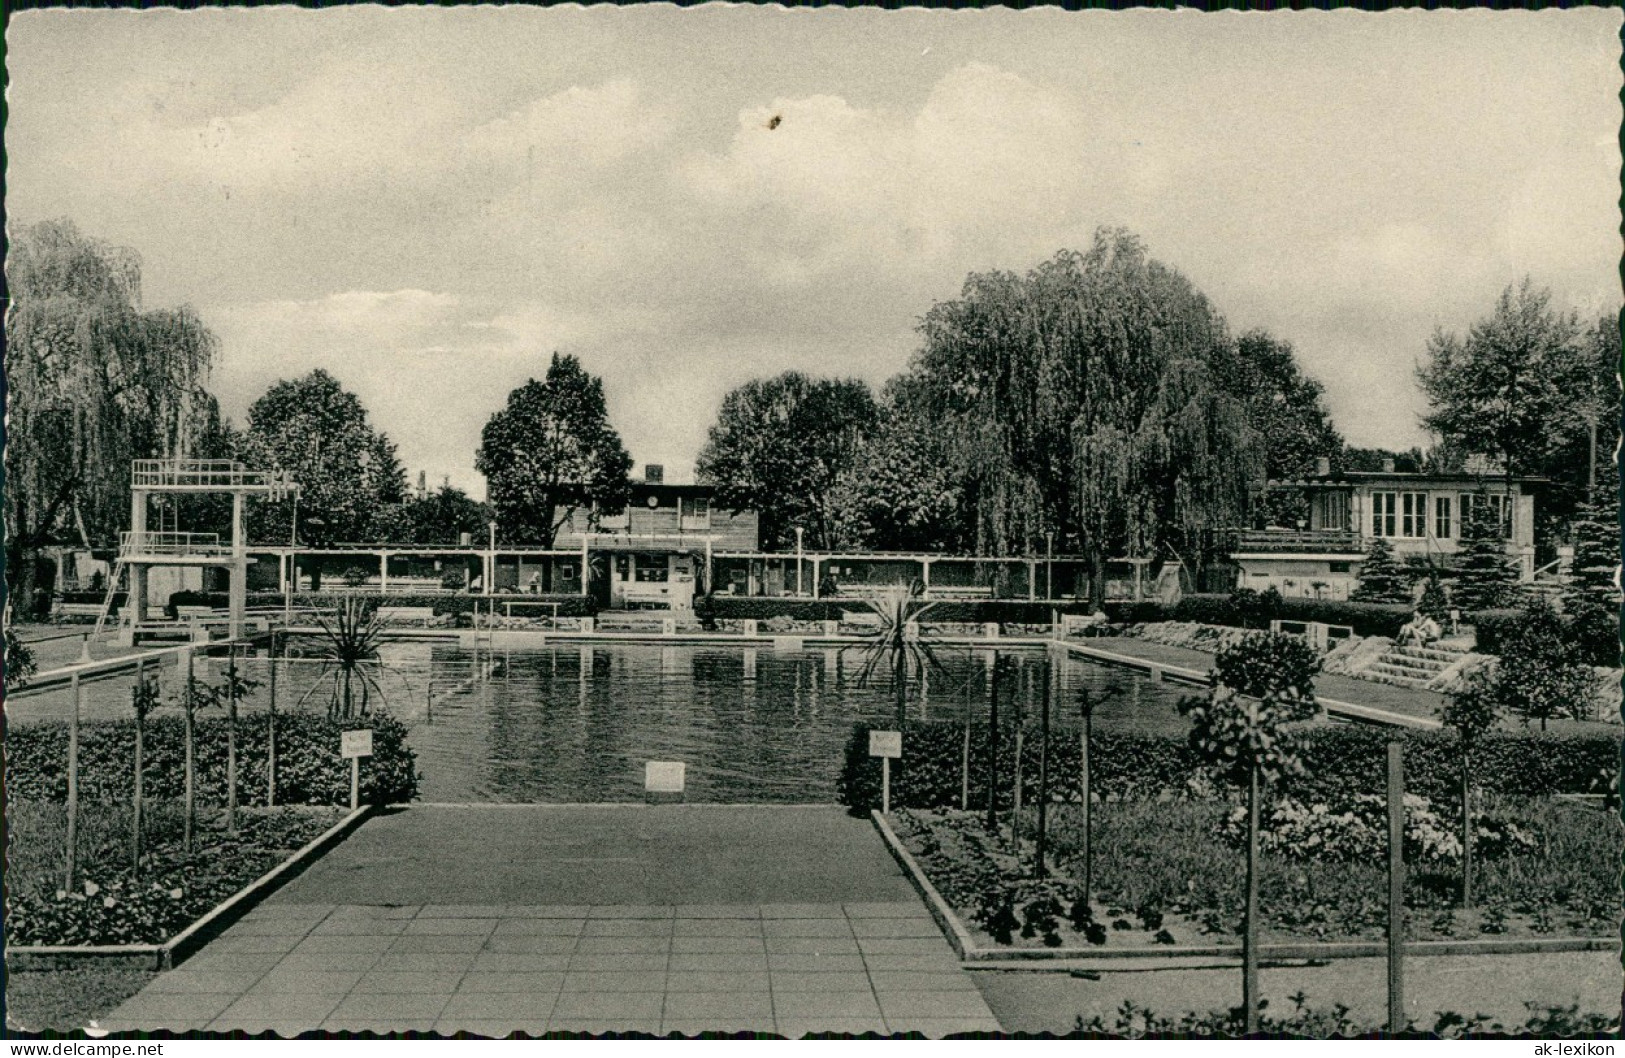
[1049,567]
[798,560]
[491,558]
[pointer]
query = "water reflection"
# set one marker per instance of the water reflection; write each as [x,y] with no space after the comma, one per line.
[578,722]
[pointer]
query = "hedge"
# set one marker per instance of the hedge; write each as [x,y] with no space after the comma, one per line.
[971,611]
[1339,759]
[1366,618]
[309,768]
[446,604]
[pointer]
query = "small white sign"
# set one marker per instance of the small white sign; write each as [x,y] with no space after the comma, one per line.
[356,743]
[663,776]
[885,744]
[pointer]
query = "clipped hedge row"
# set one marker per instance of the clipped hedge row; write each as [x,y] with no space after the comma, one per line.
[1366,618]
[1340,759]
[970,611]
[448,604]
[309,768]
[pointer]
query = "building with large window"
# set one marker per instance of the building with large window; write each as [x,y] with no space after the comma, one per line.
[658,549]
[1420,515]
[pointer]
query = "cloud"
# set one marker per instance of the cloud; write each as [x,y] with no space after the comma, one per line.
[430,203]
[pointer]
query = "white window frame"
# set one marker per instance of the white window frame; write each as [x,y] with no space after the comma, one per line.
[1385,514]
[689,517]
[1444,522]
[1413,515]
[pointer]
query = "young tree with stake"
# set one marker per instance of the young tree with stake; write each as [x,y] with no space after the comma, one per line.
[1242,728]
[143,700]
[1470,712]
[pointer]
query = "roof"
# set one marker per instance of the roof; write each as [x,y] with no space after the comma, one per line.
[1352,478]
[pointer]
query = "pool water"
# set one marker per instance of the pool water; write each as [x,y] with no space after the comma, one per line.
[577,723]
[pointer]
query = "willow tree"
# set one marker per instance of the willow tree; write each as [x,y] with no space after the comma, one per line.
[1078,404]
[93,382]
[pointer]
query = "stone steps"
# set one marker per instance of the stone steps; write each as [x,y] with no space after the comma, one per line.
[1382,672]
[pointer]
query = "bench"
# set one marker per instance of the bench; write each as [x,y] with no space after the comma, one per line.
[76,611]
[195,613]
[861,618]
[423,615]
[1072,624]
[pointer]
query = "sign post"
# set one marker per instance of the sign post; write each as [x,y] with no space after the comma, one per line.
[355,745]
[885,745]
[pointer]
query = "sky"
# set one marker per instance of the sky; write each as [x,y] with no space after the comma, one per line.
[429,203]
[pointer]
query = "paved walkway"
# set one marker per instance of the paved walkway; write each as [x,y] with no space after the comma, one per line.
[495,920]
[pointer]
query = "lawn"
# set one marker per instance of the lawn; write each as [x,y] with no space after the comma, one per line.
[1163,874]
[67,1000]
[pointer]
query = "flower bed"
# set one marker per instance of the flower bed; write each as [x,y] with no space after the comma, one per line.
[113,904]
[309,767]
[1161,878]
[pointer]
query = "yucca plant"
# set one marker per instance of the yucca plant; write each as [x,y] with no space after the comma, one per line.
[891,649]
[348,650]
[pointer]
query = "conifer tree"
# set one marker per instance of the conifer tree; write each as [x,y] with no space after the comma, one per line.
[1381,578]
[1596,551]
[1484,577]
[1434,603]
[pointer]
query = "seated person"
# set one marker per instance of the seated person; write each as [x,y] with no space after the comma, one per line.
[1421,630]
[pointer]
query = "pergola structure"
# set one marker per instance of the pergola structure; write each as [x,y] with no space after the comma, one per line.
[140,550]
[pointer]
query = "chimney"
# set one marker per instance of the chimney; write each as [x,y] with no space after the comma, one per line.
[1323,466]
[1387,466]
[654,474]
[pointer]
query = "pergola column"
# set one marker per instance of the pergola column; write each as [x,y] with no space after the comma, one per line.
[237,588]
[383,572]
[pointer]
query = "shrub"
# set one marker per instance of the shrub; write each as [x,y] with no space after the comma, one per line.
[309,768]
[445,605]
[19,663]
[971,611]
[1247,609]
[1338,760]
[1381,578]
[1542,674]
[1356,829]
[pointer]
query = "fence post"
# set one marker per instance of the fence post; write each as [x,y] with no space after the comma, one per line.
[1249,936]
[1396,888]
[1043,771]
[270,728]
[73,783]
[231,739]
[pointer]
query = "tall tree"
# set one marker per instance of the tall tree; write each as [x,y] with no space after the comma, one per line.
[1583,436]
[900,494]
[1283,405]
[439,517]
[93,382]
[1498,391]
[319,432]
[778,447]
[1078,403]
[551,452]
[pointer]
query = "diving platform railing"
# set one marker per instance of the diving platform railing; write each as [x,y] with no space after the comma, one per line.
[205,475]
[172,545]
